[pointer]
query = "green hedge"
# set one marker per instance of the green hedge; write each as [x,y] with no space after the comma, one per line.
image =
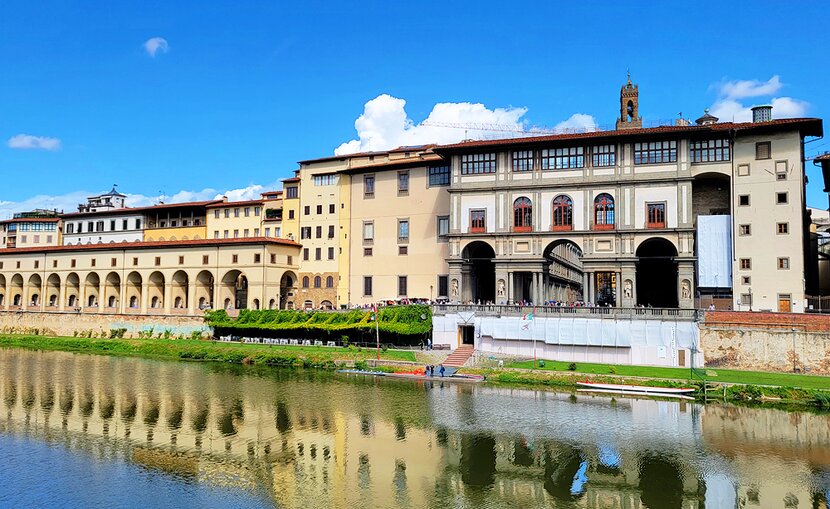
[398,324]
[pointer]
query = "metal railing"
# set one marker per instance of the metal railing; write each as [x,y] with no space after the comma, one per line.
[568,311]
[818,304]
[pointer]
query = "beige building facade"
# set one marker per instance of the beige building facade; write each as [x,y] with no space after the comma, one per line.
[174,277]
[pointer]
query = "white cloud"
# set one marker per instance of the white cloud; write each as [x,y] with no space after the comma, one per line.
[728,107]
[154,45]
[578,122]
[69,202]
[27,141]
[742,89]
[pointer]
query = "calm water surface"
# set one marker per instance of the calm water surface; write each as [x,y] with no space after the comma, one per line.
[89,431]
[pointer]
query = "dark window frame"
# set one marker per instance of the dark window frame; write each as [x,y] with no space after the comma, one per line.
[478,164]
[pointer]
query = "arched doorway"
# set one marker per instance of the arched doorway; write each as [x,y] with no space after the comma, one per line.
[288,287]
[657,273]
[156,290]
[204,289]
[92,285]
[35,283]
[563,272]
[2,290]
[235,284]
[112,287]
[53,289]
[16,290]
[134,282]
[73,290]
[479,284]
[180,289]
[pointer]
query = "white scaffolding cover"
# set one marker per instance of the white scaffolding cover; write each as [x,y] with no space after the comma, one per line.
[714,251]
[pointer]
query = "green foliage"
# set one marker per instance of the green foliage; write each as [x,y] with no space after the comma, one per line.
[397,324]
[572,366]
[822,400]
[361,365]
[117,333]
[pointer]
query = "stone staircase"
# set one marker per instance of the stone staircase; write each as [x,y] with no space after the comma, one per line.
[458,358]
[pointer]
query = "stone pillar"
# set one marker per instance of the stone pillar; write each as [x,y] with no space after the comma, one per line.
[123,298]
[102,295]
[24,300]
[685,285]
[511,288]
[145,297]
[585,286]
[218,303]
[592,287]
[81,294]
[501,285]
[191,298]
[466,285]
[618,290]
[454,283]
[168,297]
[62,296]
[629,286]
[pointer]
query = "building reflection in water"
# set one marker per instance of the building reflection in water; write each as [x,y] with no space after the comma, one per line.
[319,439]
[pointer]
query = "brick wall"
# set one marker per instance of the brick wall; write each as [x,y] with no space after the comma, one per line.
[760,320]
[66,324]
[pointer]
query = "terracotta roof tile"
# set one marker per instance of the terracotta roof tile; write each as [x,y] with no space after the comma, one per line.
[150,245]
[32,220]
[233,203]
[130,210]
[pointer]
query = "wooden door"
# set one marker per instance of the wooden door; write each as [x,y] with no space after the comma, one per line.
[784,304]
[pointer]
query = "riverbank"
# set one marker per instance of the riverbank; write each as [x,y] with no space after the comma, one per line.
[203,350]
[737,386]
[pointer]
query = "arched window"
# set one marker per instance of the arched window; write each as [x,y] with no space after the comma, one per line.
[317,281]
[563,213]
[604,212]
[305,281]
[522,215]
[329,282]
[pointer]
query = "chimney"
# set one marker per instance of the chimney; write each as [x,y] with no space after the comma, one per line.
[224,199]
[762,113]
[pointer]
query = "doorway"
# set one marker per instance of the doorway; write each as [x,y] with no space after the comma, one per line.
[467,334]
[785,303]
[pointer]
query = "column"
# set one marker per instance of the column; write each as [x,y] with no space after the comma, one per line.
[102,295]
[145,297]
[62,296]
[591,287]
[218,303]
[82,294]
[168,297]
[511,290]
[618,290]
[191,297]
[123,299]
[585,286]
[24,300]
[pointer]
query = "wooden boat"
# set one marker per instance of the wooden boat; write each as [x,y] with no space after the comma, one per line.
[635,389]
[634,393]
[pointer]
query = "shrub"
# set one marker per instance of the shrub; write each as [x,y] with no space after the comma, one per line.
[572,366]
[117,333]
[822,400]
[361,366]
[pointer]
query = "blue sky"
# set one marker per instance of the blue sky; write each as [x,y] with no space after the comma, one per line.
[243,90]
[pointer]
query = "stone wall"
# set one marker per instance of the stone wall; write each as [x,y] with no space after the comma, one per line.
[70,323]
[766,349]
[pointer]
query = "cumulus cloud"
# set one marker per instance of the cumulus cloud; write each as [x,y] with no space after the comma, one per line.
[154,45]
[578,122]
[27,141]
[69,202]
[729,105]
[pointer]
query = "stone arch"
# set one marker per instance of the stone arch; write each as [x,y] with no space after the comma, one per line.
[657,273]
[255,304]
[562,213]
[288,288]
[2,290]
[73,290]
[133,290]
[235,288]
[204,289]
[272,304]
[563,271]
[326,304]
[33,289]
[53,290]
[479,284]
[522,214]
[180,285]
[112,291]
[92,285]
[155,290]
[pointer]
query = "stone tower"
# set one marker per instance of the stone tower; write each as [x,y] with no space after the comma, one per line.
[629,107]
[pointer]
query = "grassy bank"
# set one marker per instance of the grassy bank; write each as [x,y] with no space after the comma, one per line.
[188,349]
[730,376]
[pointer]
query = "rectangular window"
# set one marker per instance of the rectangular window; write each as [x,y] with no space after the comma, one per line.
[331,208]
[236,212]
[368,186]
[235,258]
[746,299]
[331,253]
[783,263]
[268,232]
[655,152]
[135,261]
[257,258]
[331,231]
[99,226]
[257,211]
[227,213]
[781,170]
[236,234]
[319,232]
[443,286]
[112,225]
[709,151]
[291,192]
[368,231]
[48,239]
[113,262]
[402,286]
[743,170]
[307,210]
[305,254]
[403,250]
[477,221]
[473,164]
[367,286]
[216,214]
[290,214]
[181,260]
[318,253]
[403,182]
[289,260]
[226,234]
[783,228]
[325,180]
[305,232]
[37,264]
[90,226]
[54,264]
[36,239]
[745,263]
[743,200]
[273,258]
[655,215]
[439,176]
[563,158]
[319,209]
[158,261]
[603,155]
[138,224]
[781,198]
[256,232]
[367,251]
[745,230]
[403,230]
[205,259]
[522,160]
[245,232]
[763,150]
[745,280]
[443,228]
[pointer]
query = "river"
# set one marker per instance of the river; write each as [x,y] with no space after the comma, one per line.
[93,431]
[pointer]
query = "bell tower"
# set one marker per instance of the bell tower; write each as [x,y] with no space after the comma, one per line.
[629,107]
